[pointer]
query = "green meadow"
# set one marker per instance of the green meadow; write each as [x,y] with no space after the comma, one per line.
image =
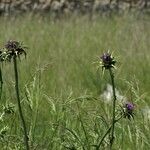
[60,83]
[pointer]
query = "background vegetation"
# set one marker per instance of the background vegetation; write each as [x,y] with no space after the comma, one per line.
[61,86]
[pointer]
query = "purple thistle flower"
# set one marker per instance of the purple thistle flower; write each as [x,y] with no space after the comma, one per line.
[12,45]
[129,106]
[14,49]
[128,110]
[107,61]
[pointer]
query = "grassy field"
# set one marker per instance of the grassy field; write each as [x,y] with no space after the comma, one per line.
[60,85]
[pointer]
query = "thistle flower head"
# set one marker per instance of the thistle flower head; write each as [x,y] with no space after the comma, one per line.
[12,49]
[129,106]
[12,45]
[128,110]
[107,61]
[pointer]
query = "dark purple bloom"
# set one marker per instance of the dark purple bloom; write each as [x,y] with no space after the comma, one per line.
[107,61]
[14,49]
[129,106]
[12,45]
[128,110]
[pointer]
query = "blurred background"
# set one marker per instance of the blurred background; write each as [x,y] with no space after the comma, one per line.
[65,7]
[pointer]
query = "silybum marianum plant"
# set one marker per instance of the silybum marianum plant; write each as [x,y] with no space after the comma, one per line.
[107,62]
[11,52]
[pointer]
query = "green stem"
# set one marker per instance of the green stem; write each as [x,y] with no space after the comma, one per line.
[19,104]
[113,108]
[1,82]
[107,132]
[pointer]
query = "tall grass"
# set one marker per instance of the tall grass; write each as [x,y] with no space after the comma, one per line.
[61,88]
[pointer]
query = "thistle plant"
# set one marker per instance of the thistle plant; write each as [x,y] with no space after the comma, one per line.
[12,51]
[108,63]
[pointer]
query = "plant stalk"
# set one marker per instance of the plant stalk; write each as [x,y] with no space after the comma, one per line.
[1,82]
[19,103]
[107,132]
[113,109]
